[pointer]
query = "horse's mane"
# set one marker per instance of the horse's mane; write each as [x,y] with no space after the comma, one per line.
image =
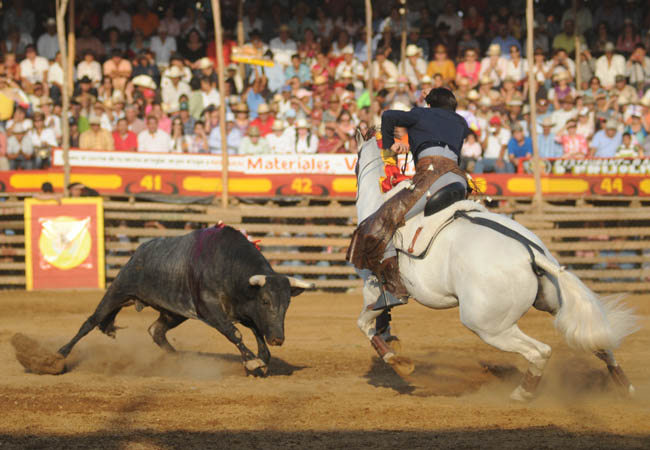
[362,137]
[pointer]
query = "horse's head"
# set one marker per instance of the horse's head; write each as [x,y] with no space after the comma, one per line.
[362,136]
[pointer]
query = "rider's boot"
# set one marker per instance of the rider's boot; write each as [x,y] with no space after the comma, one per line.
[394,293]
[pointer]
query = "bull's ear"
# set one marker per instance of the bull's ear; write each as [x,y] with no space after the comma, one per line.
[257,280]
[298,286]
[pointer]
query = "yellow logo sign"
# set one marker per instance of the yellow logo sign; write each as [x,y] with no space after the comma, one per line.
[65,242]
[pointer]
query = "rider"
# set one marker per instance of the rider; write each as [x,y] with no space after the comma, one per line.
[435,137]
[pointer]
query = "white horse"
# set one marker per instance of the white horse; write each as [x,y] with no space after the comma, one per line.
[490,277]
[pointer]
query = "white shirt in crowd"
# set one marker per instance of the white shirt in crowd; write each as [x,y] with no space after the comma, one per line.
[24,146]
[495,141]
[45,139]
[282,144]
[34,71]
[170,93]
[121,21]
[211,98]
[518,72]
[92,70]
[389,67]
[497,72]
[307,145]
[606,70]
[560,118]
[47,45]
[282,51]
[55,74]
[159,142]
[409,70]
[162,49]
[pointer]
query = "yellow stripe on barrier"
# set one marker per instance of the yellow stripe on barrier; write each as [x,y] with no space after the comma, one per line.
[239,185]
[34,181]
[344,185]
[526,185]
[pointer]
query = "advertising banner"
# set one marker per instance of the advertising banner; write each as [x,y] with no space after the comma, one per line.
[64,244]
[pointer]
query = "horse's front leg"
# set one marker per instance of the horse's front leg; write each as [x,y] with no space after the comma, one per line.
[367,318]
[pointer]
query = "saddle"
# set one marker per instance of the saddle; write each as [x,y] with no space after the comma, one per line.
[415,237]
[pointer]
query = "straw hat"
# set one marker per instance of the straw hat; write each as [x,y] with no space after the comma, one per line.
[204,63]
[473,95]
[144,81]
[426,80]
[611,124]
[254,131]
[494,50]
[174,72]
[263,108]
[301,123]
[547,122]
[278,125]
[348,50]
[412,50]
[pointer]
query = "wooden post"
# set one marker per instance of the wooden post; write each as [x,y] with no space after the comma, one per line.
[402,55]
[61,6]
[216,17]
[532,90]
[576,37]
[240,34]
[369,48]
[71,45]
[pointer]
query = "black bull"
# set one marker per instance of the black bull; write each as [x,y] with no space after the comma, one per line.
[215,275]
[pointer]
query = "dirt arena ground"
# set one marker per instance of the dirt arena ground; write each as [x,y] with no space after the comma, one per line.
[327,389]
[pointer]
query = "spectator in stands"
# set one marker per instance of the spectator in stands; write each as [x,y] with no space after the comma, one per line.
[96,138]
[628,149]
[74,132]
[87,42]
[298,69]
[200,99]
[566,39]
[118,70]
[628,38]
[48,44]
[574,145]
[636,129]
[331,142]
[33,68]
[441,64]
[172,24]
[20,151]
[43,140]
[172,91]
[586,125]
[163,45]
[567,112]
[495,145]
[546,141]
[637,67]
[145,21]
[153,139]
[254,143]
[306,141]
[123,138]
[4,162]
[608,66]
[193,48]
[470,152]
[606,142]
[281,140]
[469,69]
[627,95]
[199,139]
[117,18]
[414,66]
[180,142]
[90,68]
[134,123]
[519,147]
[505,40]
[493,66]
[264,120]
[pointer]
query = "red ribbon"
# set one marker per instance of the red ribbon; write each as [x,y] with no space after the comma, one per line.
[393,177]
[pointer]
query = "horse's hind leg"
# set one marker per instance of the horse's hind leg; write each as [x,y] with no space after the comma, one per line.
[617,374]
[160,327]
[536,353]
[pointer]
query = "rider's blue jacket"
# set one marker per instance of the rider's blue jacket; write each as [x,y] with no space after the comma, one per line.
[427,127]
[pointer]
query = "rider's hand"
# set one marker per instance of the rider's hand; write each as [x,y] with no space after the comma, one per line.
[399,148]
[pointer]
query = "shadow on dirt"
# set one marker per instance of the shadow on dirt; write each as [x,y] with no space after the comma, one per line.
[534,437]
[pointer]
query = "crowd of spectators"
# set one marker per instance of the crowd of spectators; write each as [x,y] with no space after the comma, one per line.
[145,77]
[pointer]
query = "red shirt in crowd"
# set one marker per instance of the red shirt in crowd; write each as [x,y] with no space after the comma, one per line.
[265,127]
[128,144]
[331,145]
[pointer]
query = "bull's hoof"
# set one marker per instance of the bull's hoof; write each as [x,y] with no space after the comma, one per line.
[256,367]
[521,395]
[402,365]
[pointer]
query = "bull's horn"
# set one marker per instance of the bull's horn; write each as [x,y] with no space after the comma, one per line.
[296,283]
[257,280]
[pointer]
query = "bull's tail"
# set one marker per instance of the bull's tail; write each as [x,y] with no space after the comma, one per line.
[588,321]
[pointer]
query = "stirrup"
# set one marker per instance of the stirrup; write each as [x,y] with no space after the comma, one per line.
[387,300]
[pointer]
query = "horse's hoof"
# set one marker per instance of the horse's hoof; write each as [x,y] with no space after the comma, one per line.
[631,391]
[394,344]
[256,367]
[402,365]
[521,395]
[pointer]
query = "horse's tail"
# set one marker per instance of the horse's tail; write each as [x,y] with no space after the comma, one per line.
[587,321]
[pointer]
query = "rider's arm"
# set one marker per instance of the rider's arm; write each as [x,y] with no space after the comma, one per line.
[391,119]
